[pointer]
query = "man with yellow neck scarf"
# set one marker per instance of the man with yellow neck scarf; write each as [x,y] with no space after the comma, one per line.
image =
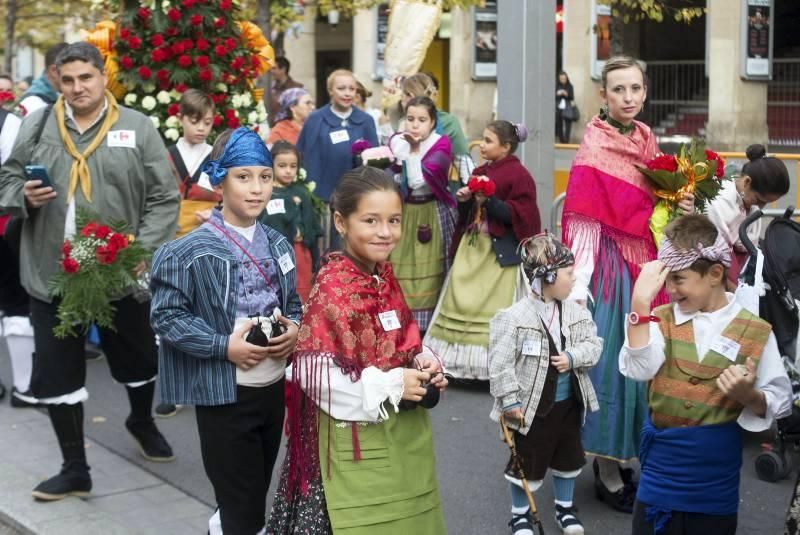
[108,159]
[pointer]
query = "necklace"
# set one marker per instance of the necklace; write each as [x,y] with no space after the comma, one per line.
[623,129]
[552,316]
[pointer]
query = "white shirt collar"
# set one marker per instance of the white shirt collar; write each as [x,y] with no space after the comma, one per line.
[70,114]
[731,309]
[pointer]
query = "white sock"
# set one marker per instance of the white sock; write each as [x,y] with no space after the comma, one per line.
[609,474]
[18,334]
[521,511]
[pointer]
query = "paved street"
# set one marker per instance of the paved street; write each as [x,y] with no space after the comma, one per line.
[470,458]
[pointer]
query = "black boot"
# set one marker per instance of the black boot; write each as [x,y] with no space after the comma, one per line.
[620,500]
[73,479]
[140,424]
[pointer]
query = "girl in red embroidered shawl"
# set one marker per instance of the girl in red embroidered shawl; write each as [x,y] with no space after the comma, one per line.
[359,354]
[486,274]
[606,224]
[420,260]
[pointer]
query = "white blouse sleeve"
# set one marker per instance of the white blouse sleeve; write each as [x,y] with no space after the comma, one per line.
[583,247]
[358,401]
[642,363]
[402,151]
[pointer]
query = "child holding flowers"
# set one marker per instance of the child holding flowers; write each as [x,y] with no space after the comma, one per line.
[209,289]
[420,260]
[485,276]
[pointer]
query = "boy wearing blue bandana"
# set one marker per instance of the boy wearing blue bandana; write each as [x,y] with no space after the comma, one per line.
[214,291]
[712,368]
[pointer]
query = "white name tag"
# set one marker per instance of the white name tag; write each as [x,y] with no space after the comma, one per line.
[121,138]
[531,347]
[276,206]
[725,347]
[389,320]
[286,264]
[339,136]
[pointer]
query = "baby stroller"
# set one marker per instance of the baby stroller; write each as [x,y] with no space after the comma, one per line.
[779,263]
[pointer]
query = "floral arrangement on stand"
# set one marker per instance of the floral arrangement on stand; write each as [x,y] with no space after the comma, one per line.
[694,170]
[486,187]
[99,264]
[156,52]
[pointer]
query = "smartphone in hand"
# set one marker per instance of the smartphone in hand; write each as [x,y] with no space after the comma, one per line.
[39,172]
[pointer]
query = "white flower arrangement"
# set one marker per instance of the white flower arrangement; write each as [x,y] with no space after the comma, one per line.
[156,121]
[236,100]
[172,134]
[222,88]
[172,122]
[130,99]
[163,97]
[262,111]
[252,117]
[148,103]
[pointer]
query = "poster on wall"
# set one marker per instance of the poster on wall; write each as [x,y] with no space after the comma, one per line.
[380,46]
[601,44]
[757,39]
[484,49]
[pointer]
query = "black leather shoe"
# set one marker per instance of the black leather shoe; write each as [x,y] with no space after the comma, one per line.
[622,500]
[167,410]
[73,480]
[152,444]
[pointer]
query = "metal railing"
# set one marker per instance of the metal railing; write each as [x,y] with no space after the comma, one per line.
[783,103]
[672,88]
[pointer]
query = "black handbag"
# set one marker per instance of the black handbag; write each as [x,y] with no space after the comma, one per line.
[571,112]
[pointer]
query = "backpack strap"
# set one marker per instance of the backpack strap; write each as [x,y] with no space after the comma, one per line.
[40,128]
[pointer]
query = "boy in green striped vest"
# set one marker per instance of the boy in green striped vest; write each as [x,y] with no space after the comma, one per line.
[712,369]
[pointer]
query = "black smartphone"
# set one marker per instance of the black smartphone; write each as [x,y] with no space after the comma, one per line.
[39,172]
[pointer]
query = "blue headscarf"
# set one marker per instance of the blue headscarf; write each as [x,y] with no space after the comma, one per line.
[244,148]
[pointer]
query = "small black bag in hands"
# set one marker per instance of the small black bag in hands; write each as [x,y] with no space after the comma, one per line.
[428,401]
[257,336]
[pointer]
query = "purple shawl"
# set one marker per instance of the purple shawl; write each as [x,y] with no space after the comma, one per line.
[436,169]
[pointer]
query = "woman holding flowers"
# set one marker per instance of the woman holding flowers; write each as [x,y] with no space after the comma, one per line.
[606,222]
[420,261]
[497,210]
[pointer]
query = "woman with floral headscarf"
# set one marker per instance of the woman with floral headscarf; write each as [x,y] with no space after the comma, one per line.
[296,104]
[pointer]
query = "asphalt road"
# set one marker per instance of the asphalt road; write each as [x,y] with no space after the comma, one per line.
[470,458]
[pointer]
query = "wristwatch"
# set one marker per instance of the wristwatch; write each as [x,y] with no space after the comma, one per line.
[636,319]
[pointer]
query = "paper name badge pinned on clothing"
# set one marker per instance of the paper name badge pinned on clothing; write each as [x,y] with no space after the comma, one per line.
[530,347]
[339,136]
[122,138]
[726,347]
[389,320]
[276,206]
[286,264]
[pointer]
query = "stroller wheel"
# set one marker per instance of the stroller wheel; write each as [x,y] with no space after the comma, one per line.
[771,466]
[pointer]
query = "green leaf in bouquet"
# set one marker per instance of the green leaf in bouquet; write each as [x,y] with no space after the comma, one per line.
[697,151]
[664,179]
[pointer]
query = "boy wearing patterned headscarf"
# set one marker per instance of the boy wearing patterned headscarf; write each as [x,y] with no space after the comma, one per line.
[210,288]
[539,351]
[712,368]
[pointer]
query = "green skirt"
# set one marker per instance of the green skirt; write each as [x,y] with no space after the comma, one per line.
[392,489]
[420,267]
[476,288]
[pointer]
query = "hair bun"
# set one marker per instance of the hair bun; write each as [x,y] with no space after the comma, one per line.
[522,132]
[756,151]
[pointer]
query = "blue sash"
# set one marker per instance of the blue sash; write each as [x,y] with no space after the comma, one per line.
[689,469]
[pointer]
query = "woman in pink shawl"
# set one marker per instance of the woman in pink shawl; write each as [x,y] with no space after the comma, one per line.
[420,260]
[606,224]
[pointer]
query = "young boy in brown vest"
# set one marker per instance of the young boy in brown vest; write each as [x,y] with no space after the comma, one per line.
[712,368]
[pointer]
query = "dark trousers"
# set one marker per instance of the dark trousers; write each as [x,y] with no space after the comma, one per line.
[59,365]
[563,127]
[684,523]
[239,443]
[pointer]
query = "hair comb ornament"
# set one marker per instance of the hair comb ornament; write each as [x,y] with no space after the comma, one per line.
[522,132]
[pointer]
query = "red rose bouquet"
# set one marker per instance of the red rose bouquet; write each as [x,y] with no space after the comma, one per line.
[484,186]
[694,170]
[98,265]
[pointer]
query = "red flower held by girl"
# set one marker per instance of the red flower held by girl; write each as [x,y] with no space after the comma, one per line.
[712,156]
[481,184]
[663,162]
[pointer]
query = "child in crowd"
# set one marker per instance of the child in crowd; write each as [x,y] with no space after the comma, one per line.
[360,460]
[761,181]
[712,368]
[541,348]
[209,289]
[420,260]
[485,275]
[189,155]
[291,213]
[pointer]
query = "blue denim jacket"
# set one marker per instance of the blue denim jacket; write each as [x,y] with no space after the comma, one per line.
[194,281]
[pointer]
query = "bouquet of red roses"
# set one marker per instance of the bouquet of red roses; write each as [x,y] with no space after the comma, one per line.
[484,186]
[98,265]
[694,169]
